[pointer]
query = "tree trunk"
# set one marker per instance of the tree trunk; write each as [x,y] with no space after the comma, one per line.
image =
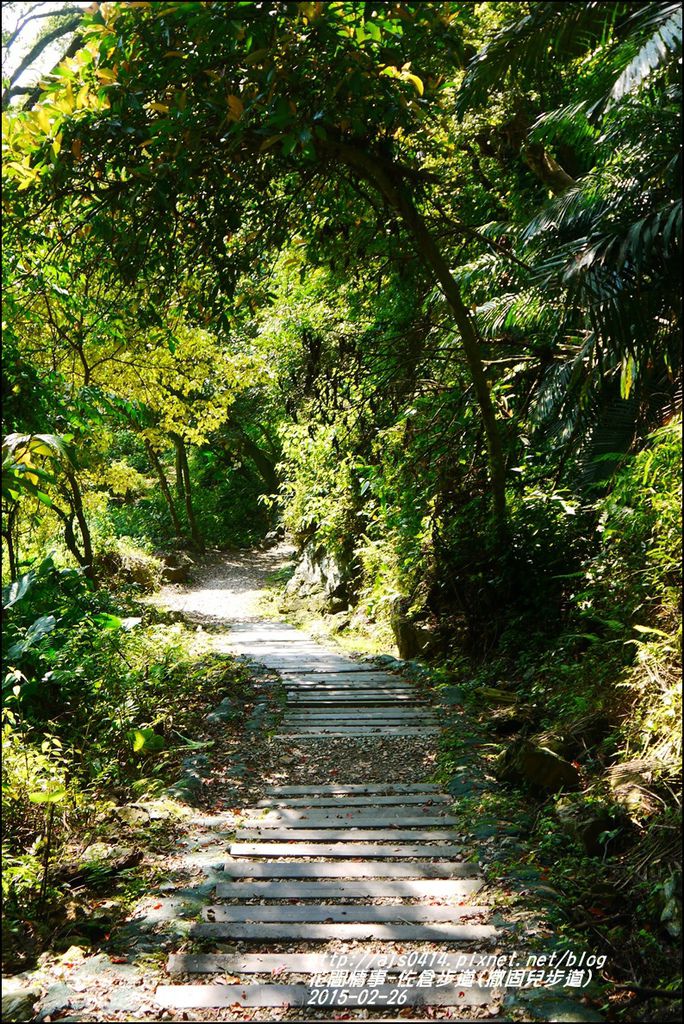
[77,505]
[182,457]
[263,463]
[70,535]
[180,483]
[165,489]
[9,540]
[397,195]
[547,169]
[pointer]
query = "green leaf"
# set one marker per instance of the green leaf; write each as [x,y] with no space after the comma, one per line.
[36,631]
[145,740]
[15,591]
[653,630]
[48,796]
[108,621]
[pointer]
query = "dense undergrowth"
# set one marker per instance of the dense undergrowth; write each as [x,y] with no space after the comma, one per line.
[103,699]
[601,685]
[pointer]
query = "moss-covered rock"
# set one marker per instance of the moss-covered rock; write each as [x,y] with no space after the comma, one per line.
[525,763]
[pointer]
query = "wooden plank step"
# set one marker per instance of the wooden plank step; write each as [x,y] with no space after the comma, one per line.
[367,681]
[288,726]
[401,888]
[304,663]
[272,645]
[334,663]
[304,705]
[207,996]
[310,932]
[417,718]
[348,691]
[381,733]
[401,714]
[363,682]
[252,834]
[331,913]
[317,734]
[341,850]
[356,820]
[342,715]
[348,678]
[352,800]
[273,626]
[355,693]
[322,699]
[336,695]
[417,722]
[351,869]
[401,711]
[360,788]
[417,959]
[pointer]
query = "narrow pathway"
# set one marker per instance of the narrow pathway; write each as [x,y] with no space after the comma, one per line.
[374,864]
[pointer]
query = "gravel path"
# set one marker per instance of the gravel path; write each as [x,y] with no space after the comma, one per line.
[226,589]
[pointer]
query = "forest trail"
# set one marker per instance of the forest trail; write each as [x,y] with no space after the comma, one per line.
[317,871]
[317,862]
[321,863]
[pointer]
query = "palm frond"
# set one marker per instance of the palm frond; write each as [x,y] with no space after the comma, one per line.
[528,44]
[569,124]
[658,51]
[527,311]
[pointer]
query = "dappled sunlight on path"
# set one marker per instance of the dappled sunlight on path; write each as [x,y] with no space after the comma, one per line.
[227,587]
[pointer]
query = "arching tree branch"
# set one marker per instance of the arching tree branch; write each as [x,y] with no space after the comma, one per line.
[34,53]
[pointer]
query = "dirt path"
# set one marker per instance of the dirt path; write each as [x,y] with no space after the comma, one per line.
[226,588]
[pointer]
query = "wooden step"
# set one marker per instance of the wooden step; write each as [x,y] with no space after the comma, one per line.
[360,693]
[371,716]
[331,913]
[316,696]
[378,734]
[354,800]
[311,932]
[351,869]
[207,996]
[351,700]
[353,819]
[417,721]
[358,820]
[332,692]
[364,681]
[304,663]
[363,678]
[382,812]
[341,850]
[359,788]
[375,888]
[326,835]
[403,712]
